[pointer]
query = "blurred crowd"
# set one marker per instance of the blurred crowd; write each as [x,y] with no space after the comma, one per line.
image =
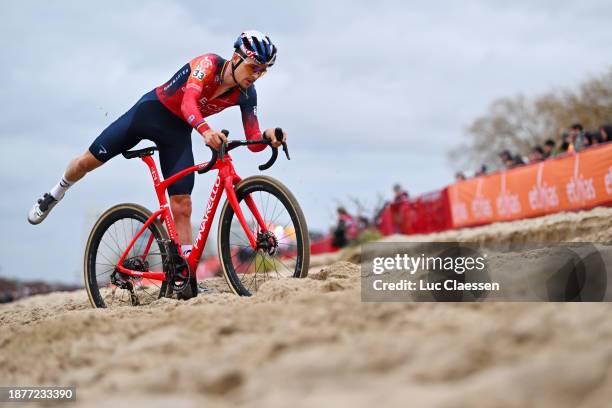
[349,228]
[573,139]
[13,289]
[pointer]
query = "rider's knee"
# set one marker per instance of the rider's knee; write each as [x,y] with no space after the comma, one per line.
[181,205]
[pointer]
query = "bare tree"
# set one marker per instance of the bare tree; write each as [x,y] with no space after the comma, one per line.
[518,123]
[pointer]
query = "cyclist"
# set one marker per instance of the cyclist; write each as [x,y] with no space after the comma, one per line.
[166,115]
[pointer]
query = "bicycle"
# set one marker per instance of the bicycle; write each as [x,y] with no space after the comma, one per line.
[129,244]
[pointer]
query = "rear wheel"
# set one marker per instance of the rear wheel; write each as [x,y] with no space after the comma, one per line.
[282,252]
[107,241]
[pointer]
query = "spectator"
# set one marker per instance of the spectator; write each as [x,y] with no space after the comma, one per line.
[536,155]
[505,156]
[517,160]
[591,139]
[565,144]
[549,148]
[481,171]
[346,229]
[605,131]
[575,138]
[459,176]
[510,161]
[401,197]
[363,223]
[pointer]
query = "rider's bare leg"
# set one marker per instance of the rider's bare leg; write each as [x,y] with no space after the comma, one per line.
[181,211]
[81,165]
[77,168]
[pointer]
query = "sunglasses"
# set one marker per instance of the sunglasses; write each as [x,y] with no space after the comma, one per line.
[254,68]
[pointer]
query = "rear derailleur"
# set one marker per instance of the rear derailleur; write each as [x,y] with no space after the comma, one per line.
[123,281]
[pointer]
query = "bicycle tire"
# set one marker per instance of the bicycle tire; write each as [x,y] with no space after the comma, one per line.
[229,260]
[98,233]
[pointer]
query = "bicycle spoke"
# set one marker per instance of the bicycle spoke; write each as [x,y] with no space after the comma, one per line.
[252,269]
[122,229]
[279,218]
[274,220]
[274,211]
[154,283]
[104,256]
[255,275]
[117,236]
[262,206]
[240,238]
[274,265]
[132,234]
[127,235]
[113,240]
[142,288]
[288,269]
[144,239]
[109,247]
[105,272]
[107,264]
[285,226]
[251,263]
[241,246]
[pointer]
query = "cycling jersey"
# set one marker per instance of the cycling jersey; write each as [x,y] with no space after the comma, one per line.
[188,94]
[167,114]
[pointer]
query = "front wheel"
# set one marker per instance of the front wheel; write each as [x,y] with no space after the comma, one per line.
[283,250]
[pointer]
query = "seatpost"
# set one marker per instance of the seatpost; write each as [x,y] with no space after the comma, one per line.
[152,168]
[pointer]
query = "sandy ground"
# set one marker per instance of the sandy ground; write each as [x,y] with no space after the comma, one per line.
[312,342]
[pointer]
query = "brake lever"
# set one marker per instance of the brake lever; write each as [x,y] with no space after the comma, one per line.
[286,150]
[222,147]
[278,133]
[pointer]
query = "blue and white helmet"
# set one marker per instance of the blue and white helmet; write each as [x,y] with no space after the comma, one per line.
[256,45]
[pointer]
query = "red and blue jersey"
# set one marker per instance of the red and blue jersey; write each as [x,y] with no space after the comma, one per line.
[189,95]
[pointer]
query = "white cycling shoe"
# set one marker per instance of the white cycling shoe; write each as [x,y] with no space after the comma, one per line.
[41,209]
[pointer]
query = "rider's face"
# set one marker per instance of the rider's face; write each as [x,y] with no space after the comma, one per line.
[248,72]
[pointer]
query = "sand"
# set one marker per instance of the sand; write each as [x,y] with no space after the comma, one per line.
[312,342]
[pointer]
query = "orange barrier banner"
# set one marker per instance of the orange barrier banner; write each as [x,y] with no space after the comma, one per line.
[568,183]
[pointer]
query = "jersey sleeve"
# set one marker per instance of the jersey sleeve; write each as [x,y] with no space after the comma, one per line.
[248,108]
[202,71]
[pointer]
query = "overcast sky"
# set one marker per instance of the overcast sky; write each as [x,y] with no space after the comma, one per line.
[371,93]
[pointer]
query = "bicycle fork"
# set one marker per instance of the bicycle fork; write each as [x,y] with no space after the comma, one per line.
[233,200]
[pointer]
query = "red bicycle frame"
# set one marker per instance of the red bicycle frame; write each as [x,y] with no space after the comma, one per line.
[226,180]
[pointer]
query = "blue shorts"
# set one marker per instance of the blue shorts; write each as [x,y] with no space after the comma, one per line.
[149,119]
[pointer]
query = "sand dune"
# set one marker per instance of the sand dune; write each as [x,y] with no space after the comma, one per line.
[313,342]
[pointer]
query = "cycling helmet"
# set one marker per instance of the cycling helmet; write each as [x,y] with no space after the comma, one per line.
[253,44]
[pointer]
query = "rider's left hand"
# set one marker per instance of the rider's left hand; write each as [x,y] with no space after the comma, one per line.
[269,134]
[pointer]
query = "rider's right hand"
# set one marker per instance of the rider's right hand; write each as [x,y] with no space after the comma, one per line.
[214,138]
